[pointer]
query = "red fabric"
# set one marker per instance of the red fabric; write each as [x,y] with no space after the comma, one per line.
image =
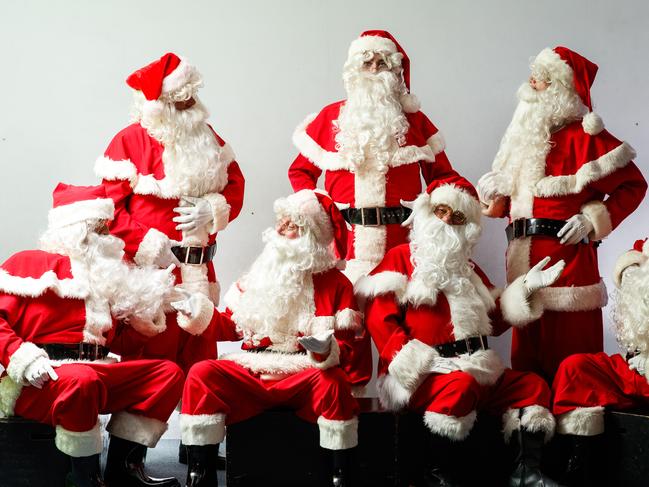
[65,194]
[461,185]
[149,388]
[338,223]
[588,380]
[639,244]
[514,390]
[149,79]
[222,386]
[405,60]
[583,70]
[455,394]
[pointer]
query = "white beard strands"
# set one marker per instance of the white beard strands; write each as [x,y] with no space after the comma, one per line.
[630,311]
[371,124]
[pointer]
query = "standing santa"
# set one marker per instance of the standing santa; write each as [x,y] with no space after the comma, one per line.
[175,184]
[564,183]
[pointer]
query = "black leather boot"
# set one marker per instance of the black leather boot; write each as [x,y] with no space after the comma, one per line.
[527,465]
[86,472]
[125,466]
[201,465]
[344,468]
[440,455]
[583,467]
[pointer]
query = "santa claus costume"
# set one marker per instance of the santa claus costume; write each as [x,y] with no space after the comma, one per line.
[565,183]
[56,325]
[292,296]
[175,184]
[374,147]
[585,384]
[430,310]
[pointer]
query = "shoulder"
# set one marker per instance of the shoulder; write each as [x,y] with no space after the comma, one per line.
[35,263]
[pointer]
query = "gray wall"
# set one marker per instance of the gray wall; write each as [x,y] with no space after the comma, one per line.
[267,64]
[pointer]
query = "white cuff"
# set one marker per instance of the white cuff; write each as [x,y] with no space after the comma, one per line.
[25,355]
[136,428]
[332,359]
[220,211]
[599,216]
[79,443]
[517,306]
[151,247]
[198,325]
[411,364]
[338,434]
[202,429]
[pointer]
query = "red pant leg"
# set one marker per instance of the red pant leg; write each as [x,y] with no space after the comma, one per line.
[448,402]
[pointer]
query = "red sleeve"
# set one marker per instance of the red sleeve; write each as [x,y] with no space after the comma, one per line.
[126,341]
[303,174]
[11,309]
[234,189]
[383,318]
[223,329]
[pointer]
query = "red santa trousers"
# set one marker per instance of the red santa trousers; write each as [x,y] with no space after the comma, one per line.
[221,392]
[449,403]
[587,383]
[542,345]
[141,395]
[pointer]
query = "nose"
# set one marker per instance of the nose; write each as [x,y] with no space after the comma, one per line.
[374,67]
[447,218]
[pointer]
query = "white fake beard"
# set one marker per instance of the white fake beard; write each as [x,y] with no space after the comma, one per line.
[371,123]
[631,310]
[441,253]
[192,156]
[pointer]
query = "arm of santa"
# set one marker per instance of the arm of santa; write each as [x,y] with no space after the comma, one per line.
[636,256]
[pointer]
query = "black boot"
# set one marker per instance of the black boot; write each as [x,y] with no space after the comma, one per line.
[583,467]
[344,468]
[201,465]
[125,466]
[527,465]
[441,452]
[85,471]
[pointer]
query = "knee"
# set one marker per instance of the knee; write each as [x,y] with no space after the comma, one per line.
[200,370]
[334,378]
[572,364]
[466,384]
[84,383]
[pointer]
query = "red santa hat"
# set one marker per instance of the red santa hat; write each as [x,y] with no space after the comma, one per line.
[319,213]
[73,204]
[384,42]
[572,69]
[459,194]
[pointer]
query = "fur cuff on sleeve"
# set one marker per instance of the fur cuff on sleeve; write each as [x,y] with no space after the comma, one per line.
[220,211]
[151,247]
[626,260]
[332,359]
[599,216]
[199,324]
[517,307]
[411,364]
[26,354]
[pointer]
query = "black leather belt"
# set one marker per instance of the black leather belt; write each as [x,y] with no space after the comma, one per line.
[459,347]
[75,351]
[526,227]
[194,255]
[376,216]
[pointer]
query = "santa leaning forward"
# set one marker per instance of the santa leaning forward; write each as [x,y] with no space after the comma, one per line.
[430,311]
[62,309]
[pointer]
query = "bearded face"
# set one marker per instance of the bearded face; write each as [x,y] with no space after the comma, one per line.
[631,309]
[371,124]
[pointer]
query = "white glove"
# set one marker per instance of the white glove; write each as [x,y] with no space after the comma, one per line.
[189,304]
[443,365]
[537,278]
[166,258]
[638,363]
[39,372]
[576,229]
[490,184]
[197,214]
[320,343]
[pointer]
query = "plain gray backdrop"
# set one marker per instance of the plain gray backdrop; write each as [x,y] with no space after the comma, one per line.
[266,64]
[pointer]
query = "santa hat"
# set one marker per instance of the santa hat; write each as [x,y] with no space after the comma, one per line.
[319,213]
[572,69]
[458,194]
[73,204]
[382,41]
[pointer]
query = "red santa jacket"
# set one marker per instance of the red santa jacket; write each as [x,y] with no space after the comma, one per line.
[422,155]
[405,318]
[145,194]
[584,173]
[334,308]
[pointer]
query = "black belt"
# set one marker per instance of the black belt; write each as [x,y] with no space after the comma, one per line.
[376,216]
[194,255]
[525,227]
[467,345]
[75,351]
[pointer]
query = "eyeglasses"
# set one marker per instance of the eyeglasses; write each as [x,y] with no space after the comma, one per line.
[445,212]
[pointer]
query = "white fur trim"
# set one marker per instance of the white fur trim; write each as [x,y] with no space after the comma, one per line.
[349,319]
[9,393]
[338,434]
[437,142]
[220,211]
[410,103]
[557,68]
[458,199]
[150,248]
[97,209]
[133,427]
[597,212]
[202,429]
[627,259]
[25,355]
[178,77]
[371,43]
[582,422]
[199,324]
[485,366]
[34,287]
[382,283]
[537,418]
[270,362]
[574,298]
[511,422]
[79,443]
[356,268]
[592,123]
[586,174]
[392,395]
[517,306]
[111,170]
[451,427]
[332,359]
[412,363]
